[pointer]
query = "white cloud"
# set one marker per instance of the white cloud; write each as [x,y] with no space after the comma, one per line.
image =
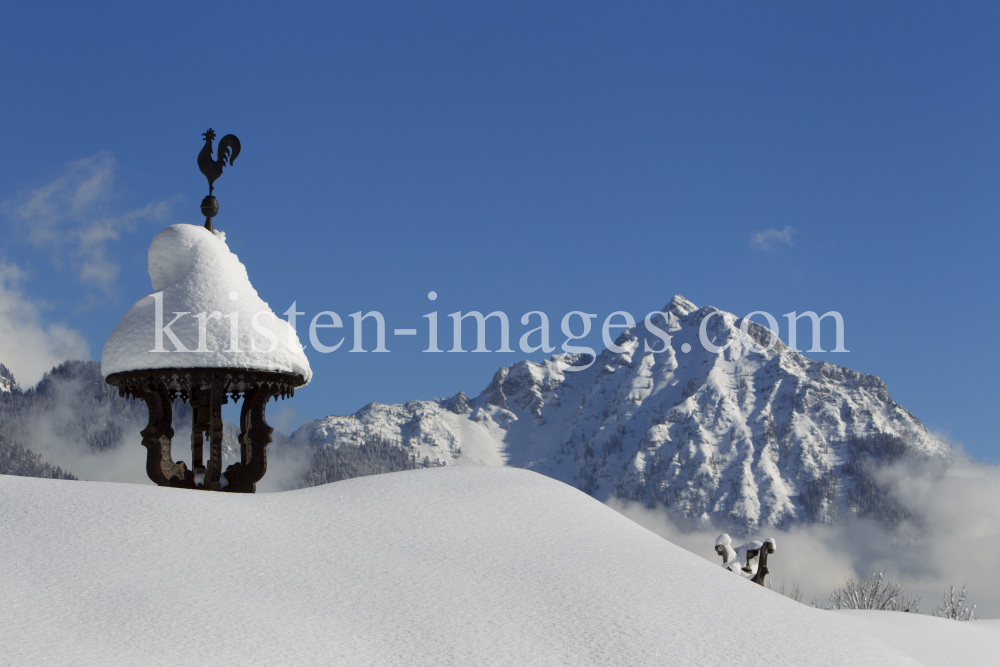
[768,239]
[76,216]
[285,419]
[27,347]
[956,539]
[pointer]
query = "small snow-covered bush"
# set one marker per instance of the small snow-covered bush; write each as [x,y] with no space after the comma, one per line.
[952,607]
[873,592]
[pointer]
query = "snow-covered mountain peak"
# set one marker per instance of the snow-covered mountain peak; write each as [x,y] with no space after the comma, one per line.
[679,306]
[726,431]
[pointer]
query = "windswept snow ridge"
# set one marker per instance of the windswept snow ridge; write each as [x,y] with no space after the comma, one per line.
[736,437]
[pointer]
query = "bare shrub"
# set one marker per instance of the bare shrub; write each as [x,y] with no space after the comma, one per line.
[873,592]
[954,607]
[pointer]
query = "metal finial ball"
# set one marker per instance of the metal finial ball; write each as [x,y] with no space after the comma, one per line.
[209,209]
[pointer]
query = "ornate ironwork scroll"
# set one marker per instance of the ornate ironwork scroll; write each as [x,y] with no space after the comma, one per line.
[206,390]
[255,436]
[157,436]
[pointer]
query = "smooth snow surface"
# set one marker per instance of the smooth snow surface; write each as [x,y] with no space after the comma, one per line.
[934,641]
[195,272]
[471,565]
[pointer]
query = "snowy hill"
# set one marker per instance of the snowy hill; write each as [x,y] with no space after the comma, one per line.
[742,438]
[448,566]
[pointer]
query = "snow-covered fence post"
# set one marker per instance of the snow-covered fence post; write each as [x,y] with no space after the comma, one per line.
[731,558]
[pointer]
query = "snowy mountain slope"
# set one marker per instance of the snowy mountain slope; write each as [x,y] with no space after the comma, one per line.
[7,382]
[17,460]
[743,438]
[462,566]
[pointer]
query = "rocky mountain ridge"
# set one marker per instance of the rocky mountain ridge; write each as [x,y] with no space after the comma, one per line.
[731,437]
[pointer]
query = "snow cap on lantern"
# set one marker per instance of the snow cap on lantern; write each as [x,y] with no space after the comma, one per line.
[225,322]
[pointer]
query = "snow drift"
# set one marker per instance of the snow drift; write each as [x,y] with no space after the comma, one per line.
[462,566]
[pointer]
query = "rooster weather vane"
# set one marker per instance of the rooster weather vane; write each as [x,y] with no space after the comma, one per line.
[229,149]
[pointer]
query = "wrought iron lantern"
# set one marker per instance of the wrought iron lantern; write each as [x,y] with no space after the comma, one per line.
[206,390]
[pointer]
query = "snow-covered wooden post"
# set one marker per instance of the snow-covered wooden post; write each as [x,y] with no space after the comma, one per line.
[731,558]
[204,336]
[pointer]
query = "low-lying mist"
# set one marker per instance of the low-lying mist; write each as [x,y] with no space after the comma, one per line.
[953,539]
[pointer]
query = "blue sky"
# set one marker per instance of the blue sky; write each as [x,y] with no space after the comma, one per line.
[519,157]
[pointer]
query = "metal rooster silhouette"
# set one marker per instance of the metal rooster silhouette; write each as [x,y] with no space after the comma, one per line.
[229,148]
